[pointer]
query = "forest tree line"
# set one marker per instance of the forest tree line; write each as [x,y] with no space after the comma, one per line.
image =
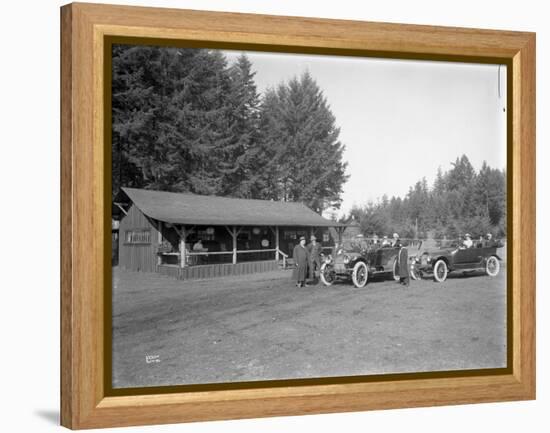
[460,201]
[186,120]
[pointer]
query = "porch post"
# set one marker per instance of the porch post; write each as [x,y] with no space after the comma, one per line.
[276,242]
[234,235]
[159,228]
[183,255]
[160,232]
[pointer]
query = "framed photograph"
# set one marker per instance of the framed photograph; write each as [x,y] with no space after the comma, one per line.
[265,215]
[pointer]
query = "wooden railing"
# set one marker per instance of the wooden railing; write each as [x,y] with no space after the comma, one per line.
[191,257]
[285,256]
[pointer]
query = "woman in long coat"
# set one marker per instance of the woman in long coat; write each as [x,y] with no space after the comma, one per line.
[300,254]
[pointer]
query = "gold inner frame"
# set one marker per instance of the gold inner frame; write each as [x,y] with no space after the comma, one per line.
[108,42]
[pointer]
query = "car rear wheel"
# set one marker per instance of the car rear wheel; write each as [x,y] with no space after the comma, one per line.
[327,275]
[492,267]
[440,271]
[360,275]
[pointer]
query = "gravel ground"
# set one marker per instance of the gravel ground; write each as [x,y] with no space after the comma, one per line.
[261,327]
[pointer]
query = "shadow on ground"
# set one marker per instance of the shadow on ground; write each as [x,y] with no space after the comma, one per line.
[49,415]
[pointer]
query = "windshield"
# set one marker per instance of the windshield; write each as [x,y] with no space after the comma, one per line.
[352,245]
[452,243]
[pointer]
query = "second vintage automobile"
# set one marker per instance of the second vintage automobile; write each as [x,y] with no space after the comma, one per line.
[439,262]
[358,261]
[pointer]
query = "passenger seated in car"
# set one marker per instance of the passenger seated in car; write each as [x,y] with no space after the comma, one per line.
[489,242]
[396,243]
[467,243]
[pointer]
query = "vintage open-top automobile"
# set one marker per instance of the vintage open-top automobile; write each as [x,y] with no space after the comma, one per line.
[439,262]
[357,261]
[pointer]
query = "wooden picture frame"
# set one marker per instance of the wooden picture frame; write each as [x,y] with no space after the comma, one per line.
[85,28]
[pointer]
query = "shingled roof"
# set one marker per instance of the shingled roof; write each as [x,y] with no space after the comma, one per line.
[185,208]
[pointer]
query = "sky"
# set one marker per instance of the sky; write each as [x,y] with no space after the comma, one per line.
[400,119]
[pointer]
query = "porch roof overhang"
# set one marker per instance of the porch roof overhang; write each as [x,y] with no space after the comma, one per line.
[194,209]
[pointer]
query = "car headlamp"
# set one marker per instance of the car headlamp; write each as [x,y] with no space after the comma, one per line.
[346,259]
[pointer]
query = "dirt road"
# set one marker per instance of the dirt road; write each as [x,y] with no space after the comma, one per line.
[261,327]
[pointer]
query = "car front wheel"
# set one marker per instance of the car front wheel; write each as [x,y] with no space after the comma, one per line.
[492,267]
[327,275]
[440,271]
[415,273]
[360,275]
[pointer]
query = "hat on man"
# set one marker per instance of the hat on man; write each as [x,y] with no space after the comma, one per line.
[302,238]
[467,235]
[395,235]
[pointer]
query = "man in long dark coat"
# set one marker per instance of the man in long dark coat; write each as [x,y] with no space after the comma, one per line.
[403,266]
[314,249]
[301,258]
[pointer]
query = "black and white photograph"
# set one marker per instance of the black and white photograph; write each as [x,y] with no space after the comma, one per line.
[281,216]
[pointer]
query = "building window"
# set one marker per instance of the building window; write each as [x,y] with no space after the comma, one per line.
[290,234]
[138,236]
[244,235]
[208,234]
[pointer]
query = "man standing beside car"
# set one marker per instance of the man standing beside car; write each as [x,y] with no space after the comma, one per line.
[300,254]
[314,249]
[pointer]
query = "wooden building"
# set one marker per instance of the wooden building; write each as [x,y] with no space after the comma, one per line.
[195,236]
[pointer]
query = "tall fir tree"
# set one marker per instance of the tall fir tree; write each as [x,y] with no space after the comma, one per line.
[169,118]
[238,165]
[302,156]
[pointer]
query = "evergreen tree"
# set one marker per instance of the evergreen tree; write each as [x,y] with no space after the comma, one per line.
[265,160]
[185,121]
[169,118]
[461,201]
[302,156]
[238,165]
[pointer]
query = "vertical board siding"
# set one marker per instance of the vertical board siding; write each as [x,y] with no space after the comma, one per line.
[137,257]
[217,270]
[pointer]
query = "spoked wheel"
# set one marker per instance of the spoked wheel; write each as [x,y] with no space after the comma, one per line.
[395,270]
[492,267]
[440,271]
[415,273]
[360,275]
[327,275]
